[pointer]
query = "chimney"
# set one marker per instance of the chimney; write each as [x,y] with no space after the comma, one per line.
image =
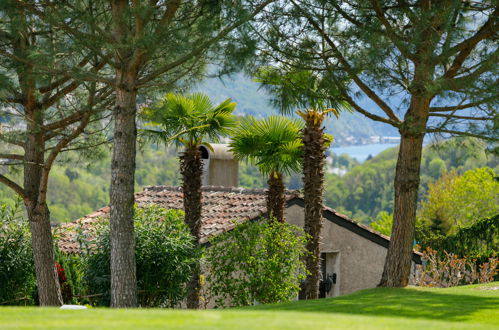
[219,166]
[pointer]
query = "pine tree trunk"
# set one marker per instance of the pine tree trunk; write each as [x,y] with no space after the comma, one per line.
[314,143]
[275,197]
[123,269]
[192,170]
[49,291]
[398,260]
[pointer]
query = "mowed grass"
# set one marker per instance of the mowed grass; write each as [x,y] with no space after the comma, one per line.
[470,307]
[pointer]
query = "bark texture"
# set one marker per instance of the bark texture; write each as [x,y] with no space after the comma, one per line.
[49,291]
[275,196]
[314,147]
[397,267]
[398,260]
[123,269]
[192,169]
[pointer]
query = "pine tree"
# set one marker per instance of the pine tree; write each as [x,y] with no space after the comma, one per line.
[437,57]
[44,112]
[147,45]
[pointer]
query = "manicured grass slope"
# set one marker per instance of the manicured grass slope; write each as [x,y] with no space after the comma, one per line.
[470,307]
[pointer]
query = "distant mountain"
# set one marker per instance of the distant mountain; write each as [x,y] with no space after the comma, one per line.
[350,128]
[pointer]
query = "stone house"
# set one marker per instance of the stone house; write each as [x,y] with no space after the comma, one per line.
[352,254]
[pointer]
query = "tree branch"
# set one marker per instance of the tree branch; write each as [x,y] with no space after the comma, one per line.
[369,92]
[64,79]
[459,117]
[11,156]
[439,130]
[14,186]
[198,50]
[462,106]
[53,155]
[467,46]
[394,37]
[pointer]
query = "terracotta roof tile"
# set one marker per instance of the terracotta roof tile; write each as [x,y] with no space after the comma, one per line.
[220,206]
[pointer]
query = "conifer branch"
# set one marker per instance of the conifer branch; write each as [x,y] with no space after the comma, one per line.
[14,186]
[369,92]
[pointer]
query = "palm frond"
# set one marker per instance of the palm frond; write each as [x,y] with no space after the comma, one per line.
[190,118]
[273,144]
[294,89]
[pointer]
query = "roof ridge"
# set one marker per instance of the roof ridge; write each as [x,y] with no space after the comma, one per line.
[240,190]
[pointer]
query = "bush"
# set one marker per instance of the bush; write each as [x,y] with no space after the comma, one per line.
[257,261]
[450,270]
[165,255]
[17,272]
[480,240]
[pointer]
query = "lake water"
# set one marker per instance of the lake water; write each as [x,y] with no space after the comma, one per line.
[363,151]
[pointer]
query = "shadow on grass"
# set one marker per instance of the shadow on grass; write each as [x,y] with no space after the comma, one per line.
[410,303]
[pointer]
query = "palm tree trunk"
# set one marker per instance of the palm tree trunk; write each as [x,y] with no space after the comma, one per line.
[123,269]
[192,169]
[275,197]
[314,146]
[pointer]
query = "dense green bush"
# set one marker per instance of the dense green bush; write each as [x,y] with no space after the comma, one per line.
[257,261]
[165,254]
[17,273]
[480,240]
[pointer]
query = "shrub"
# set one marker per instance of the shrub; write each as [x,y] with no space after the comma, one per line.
[165,255]
[447,269]
[257,261]
[71,271]
[479,241]
[17,272]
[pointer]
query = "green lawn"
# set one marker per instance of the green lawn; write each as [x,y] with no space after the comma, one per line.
[470,307]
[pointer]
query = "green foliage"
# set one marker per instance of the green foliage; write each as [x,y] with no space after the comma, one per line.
[294,89]
[383,223]
[480,240]
[257,261]
[165,254]
[459,200]
[74,288]
[273,144]
[367,188]
[188,120]
[17,272]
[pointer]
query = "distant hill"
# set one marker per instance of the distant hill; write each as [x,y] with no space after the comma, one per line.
[256,102]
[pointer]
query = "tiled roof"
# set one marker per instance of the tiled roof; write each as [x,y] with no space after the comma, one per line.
[220,206]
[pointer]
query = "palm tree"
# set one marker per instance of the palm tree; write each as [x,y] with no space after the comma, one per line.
[188,121]
[273,145]
[293,88]
[315,143]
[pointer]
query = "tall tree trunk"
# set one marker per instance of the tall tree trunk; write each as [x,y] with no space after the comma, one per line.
[314,146]
[192,169]
[398,260]
[49,291]
[275,197]
[123,269]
